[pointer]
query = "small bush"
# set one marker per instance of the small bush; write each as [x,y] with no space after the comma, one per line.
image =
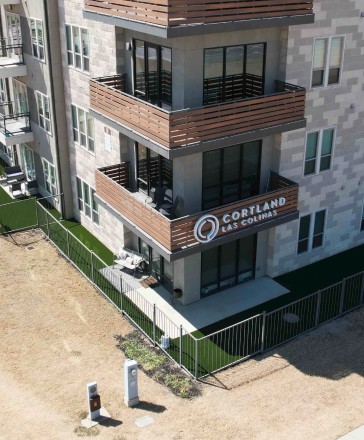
[157,365]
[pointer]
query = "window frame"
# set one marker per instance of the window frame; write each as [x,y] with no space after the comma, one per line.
[42,119]
[50,186]
[87,204]
[77,134]
[311,232]
[326,67]
[37,43]
[319,155]
[72,53]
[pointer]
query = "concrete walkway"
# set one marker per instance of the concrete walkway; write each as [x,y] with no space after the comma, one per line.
[357,434]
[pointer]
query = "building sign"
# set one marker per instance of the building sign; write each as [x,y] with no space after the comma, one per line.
[208,226]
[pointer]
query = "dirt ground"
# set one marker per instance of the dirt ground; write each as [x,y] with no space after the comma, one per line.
[56,335]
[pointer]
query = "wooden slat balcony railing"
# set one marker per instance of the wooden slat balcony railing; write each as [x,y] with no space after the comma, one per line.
[278,202]
[191,127]
[173,13]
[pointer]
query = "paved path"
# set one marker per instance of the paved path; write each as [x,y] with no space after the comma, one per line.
[357,434]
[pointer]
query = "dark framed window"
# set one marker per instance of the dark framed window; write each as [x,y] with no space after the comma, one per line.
[311,231]
[362,220]
[233,72]
[319,151]
[228,265]
[153,73]
[153,170]
[158,266]
[231,174]
[327,61]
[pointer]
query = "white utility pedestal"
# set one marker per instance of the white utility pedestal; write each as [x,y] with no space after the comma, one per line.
[131,397]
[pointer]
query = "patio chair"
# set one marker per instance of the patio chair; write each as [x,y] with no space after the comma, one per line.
[128,259]
[31,187]
[158,197]
[168,209]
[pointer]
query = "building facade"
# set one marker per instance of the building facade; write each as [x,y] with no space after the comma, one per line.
[221,144]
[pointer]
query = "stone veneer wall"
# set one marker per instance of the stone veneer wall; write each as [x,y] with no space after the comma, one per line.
[106,58]
[340,190]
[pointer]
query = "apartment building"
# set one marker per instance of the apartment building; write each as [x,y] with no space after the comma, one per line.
[222,142]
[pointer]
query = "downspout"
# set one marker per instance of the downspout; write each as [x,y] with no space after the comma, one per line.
[48,44]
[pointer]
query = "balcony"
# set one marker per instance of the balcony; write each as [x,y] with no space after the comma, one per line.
[188,131]
[173,18]
[192,233]
[14,127]
[11,60]
[9,2]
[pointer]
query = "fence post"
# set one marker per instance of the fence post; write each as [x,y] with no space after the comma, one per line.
[92,266]
[180,345]
[121,293]
[196,358]
[264,314]
[154,313]
[36,210]
[342,296]
[68,242]
[318,309]
[47,224]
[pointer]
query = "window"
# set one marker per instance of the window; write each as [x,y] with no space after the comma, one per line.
[319,148]
[233,72]
[14,36]
[36,28]
[86,201]
[20,97]
[27,161]
[43,112]
[230,174]
[227,265]
[78,47]
[362,220]
[3,90]
[327,61]
[311,232]
[153,73]
[83,128]
[50,181]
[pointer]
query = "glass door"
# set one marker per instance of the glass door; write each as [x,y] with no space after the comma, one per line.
[13,32]
[27,161]
[20,97]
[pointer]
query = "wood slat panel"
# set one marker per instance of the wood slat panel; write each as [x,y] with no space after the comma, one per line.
[171,13]
[193,126]
[111,186]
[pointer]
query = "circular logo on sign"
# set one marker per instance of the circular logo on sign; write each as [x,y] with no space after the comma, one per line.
[206,228]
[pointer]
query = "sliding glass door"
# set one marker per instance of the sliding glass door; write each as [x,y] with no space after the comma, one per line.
[228,265]
[153,170]
[153,73]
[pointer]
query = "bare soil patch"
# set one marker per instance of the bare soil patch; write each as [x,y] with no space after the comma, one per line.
[57,334]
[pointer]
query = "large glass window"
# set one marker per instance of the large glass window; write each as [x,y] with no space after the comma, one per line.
[319,150]
[20,97]
[230,174]
[327,61]
[153,73]
[233,72]
[78,47]
[153,170]
[311,231]
[227,265]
